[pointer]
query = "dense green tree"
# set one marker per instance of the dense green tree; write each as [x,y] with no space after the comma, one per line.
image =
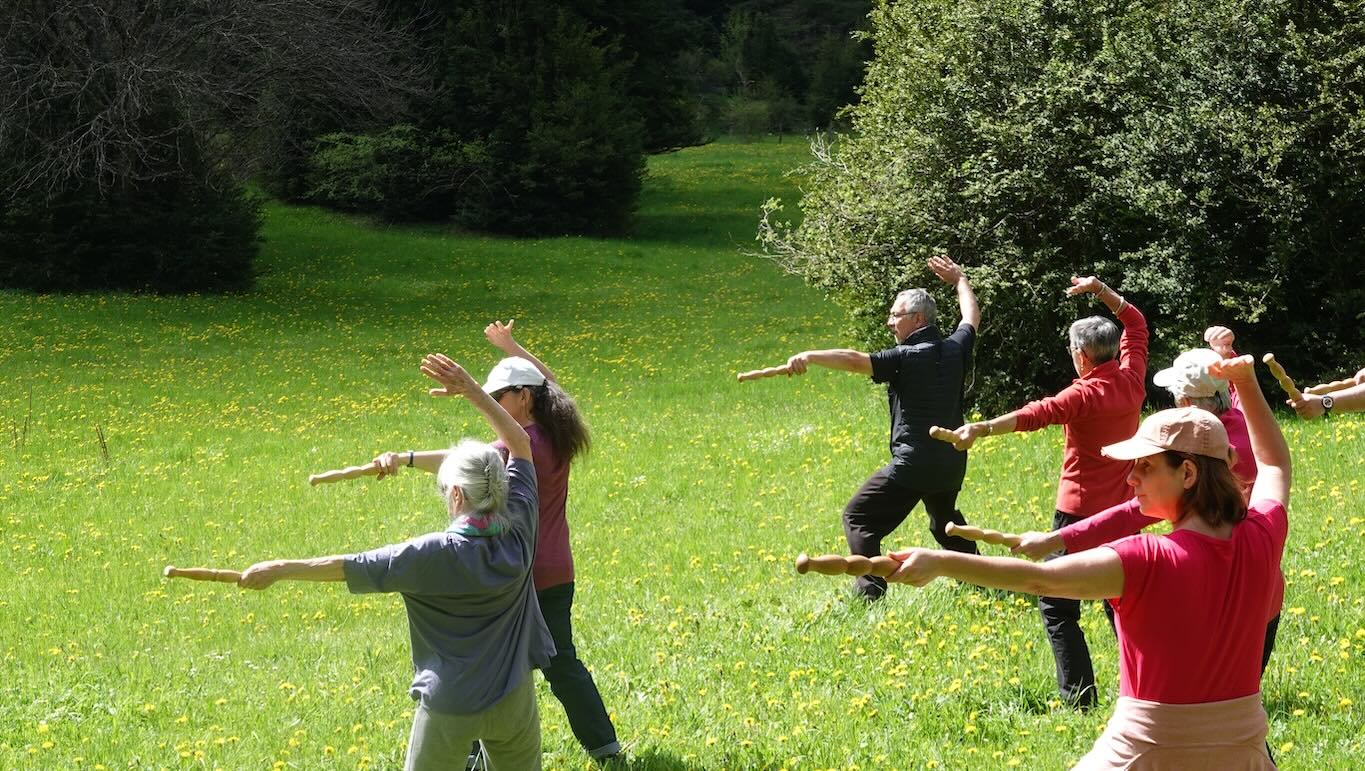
[1208,159]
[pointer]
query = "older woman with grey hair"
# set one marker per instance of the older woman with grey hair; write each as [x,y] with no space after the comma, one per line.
[1100,407]
[476,628]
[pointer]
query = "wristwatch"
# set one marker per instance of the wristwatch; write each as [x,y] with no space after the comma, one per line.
[1327,402]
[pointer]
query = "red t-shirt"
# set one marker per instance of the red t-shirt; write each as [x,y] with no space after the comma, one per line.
[1192,616]
[554,562]
[1099,409]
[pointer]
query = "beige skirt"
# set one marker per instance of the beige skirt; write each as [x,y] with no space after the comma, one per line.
[1150,736]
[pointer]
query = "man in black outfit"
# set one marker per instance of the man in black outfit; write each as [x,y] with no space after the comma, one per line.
[924,373]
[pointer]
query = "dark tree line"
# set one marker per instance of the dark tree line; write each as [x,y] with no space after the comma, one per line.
[128,127]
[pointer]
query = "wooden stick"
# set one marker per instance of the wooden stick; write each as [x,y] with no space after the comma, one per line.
[1282,377]
[350,472]
[985,535]
[758,374]
[1327,388]
[202,574]
[839,565]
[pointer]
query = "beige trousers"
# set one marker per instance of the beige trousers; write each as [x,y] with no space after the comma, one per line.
[509,730]
[1150,736]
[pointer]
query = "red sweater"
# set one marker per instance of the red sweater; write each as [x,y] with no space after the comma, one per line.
[1100,408]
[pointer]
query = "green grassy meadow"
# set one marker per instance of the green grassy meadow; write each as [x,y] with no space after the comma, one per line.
[710,651]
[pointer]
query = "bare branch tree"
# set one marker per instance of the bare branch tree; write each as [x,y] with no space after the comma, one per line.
[118,91]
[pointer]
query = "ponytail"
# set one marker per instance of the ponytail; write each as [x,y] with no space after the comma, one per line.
[557,412]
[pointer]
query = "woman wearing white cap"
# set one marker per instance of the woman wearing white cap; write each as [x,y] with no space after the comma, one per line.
[1191,605]
[526,388]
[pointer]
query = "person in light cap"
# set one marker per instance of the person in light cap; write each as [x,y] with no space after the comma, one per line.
[1191,606]
[528,390]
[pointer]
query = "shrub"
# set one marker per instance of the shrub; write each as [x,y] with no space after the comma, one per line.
[402,173]
[1204,158]
[181,233]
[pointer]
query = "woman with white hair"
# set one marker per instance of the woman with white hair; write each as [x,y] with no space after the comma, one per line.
[528,390]
[1191,605]
[475,625]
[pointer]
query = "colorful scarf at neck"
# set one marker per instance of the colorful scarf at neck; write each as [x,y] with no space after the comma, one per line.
[474,526]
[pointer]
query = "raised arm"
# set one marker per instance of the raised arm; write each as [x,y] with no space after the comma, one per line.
[500,335]
[1091,285]
[952,274]
[1220,339]
[845,359]
[1093,575]
[456,382]
[1273,464]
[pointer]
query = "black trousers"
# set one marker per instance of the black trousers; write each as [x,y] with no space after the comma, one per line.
[880,506]
[1062,620]
[570,681]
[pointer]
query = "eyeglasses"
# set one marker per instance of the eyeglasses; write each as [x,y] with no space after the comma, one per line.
[899,315]
[497,395]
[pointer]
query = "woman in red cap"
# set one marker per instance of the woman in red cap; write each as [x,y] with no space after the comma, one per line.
[1191,606]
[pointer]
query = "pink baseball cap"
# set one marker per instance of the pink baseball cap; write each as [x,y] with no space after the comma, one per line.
[1185,429]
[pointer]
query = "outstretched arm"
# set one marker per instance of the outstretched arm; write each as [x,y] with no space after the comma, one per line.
[390,463]
[1350,399]
[845,359]
[952,274]
[263,574]
[456,382]
[1273,464]
[963,437]
[1092,575]
[500,335]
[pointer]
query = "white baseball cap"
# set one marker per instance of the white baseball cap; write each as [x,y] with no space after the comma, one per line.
[511,372]
[1188,376]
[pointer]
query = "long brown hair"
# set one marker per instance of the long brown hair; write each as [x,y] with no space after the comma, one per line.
[1216,496]
[557,412]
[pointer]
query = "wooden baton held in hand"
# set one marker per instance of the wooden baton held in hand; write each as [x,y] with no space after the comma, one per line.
[350,472]
[1282,377]
[839,565]
[973,533]
[1327,388]
[202,574]
[758,374]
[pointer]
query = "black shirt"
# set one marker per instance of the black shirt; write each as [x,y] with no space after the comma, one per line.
[924,377]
